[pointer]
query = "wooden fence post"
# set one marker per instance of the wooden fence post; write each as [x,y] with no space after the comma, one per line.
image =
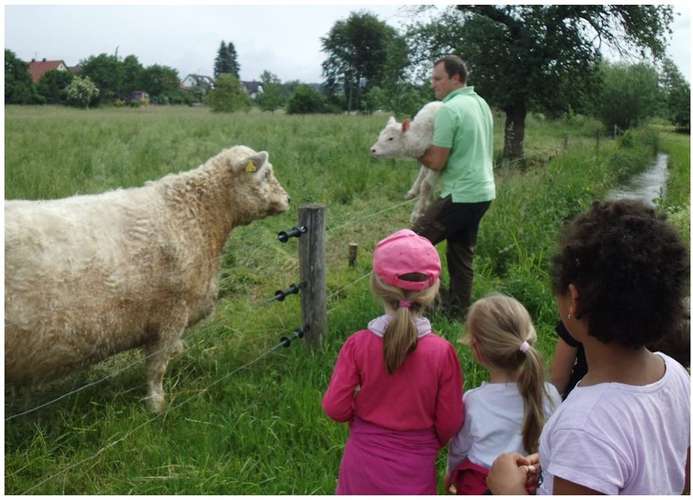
[311,258]
[353,251]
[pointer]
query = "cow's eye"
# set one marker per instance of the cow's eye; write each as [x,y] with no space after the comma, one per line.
[391,139]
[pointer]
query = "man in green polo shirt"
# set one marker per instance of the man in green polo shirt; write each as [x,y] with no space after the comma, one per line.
[462,150]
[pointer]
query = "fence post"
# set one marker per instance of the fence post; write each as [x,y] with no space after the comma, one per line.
[311,259]
[353,251]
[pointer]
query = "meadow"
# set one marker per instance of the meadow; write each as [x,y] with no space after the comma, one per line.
[231,429]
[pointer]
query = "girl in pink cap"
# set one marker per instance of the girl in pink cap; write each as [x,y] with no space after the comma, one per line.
[397,383]
[507,413]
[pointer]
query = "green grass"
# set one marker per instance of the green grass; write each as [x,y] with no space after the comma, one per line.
[677,198]
[261,430]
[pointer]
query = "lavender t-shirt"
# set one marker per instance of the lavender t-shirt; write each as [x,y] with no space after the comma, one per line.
[621,439]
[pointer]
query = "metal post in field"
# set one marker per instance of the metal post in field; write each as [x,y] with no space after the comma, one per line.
[311,258]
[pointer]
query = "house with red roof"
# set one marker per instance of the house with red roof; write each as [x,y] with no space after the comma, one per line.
[39,68]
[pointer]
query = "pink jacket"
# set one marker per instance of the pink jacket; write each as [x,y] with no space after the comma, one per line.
[424,393]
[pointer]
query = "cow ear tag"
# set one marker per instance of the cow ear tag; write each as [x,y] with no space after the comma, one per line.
[250,167]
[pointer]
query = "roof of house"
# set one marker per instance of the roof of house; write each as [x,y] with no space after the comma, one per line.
[39,68]
[252,87]
[193,80]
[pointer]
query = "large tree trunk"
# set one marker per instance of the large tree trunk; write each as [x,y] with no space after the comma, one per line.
[513,147]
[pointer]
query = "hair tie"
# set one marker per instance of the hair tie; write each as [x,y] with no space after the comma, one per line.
[406,304]
[524,346]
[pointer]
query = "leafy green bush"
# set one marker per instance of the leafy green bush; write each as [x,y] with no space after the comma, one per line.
[53,85]
[81,92]
[629,94]
[305,100]
[228,95]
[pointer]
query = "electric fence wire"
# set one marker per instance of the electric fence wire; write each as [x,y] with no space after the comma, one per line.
[156,417]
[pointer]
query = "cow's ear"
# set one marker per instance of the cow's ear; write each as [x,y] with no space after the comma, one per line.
[392,121]
[253,163]
[405,124]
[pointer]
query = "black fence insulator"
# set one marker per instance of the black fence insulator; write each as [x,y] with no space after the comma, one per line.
[281,294]
[296,334]
[296,231]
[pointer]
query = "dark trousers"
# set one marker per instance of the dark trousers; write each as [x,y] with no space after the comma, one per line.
[458,223]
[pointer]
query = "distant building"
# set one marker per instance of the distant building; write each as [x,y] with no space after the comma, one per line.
[139,96]
[200,83]
[252,88]
[39,68]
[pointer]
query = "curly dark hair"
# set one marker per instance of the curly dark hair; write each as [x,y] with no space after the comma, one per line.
[630,268]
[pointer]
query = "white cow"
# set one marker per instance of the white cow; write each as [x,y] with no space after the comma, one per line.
[411,140]
[90,276]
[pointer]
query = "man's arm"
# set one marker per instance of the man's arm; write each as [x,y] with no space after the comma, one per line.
[435,158]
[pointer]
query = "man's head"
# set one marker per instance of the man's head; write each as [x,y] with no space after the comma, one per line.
[449,73]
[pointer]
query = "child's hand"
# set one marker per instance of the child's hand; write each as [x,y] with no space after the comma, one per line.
[509,474]
[450,487]
[533,472]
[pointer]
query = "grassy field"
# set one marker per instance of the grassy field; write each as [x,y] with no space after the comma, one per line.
[261,430]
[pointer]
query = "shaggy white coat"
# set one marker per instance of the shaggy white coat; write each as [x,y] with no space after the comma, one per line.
[398,141]
[90,276]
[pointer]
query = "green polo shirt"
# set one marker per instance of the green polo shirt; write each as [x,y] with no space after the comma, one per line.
[465,125]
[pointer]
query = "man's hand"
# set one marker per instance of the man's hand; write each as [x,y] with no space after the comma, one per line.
[511,474]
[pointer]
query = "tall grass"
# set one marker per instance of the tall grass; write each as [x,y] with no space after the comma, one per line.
[261,430]
[677,198]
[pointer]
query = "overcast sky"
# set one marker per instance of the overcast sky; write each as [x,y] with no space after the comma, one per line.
[282,39]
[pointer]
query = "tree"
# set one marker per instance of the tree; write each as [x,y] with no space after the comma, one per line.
[53,85]
[403,98]
[107,73]
[19,89]
[678,95]
[234,67]
[629,93]
[305,100]
[160,82]
[271,96]
[363,52]
[132,75]
[228,95]
[221,63]
[226,61]
[81,92]
[538,57]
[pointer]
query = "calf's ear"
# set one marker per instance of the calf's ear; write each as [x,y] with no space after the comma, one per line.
[392,121]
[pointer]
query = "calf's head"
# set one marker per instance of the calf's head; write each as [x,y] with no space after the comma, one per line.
[390,143]
[257,192]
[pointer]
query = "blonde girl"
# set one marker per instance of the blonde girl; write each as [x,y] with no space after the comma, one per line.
[507,413]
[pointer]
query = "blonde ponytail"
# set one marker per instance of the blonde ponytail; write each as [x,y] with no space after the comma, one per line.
[505,336]
[530,383]
[400,336]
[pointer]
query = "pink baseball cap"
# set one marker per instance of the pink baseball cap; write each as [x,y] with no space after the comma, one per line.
[402,253]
